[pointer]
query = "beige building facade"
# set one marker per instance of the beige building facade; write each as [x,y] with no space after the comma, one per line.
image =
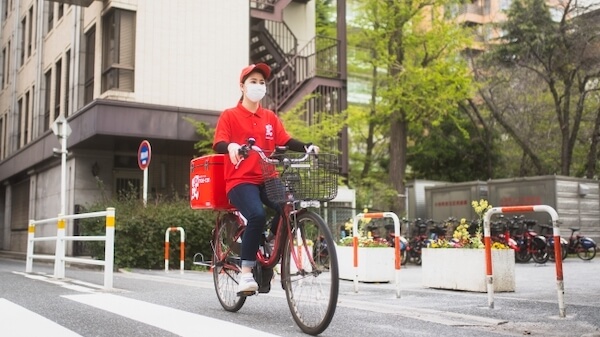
[121,71]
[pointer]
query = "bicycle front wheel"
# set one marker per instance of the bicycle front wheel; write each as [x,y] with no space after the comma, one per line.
[226,263]
[310,274]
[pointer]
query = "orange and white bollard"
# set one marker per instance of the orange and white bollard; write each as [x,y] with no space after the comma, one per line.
[558,259]
[396,244]
[181,248]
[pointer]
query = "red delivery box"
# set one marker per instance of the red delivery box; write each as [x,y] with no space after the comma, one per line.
[207,183]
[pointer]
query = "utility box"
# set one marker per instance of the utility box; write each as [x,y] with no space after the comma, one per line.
[416,206]
[454,200]
[576,200]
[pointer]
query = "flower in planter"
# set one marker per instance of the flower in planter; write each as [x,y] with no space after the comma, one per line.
[462,238]
[365,237]
[364,242]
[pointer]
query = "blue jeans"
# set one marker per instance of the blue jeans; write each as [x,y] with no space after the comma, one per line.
[249,200]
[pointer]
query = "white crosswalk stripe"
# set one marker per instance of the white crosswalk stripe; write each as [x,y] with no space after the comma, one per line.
[179,322]
[20,322]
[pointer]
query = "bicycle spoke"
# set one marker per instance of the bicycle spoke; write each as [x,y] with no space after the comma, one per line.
[226,270]
[310,274]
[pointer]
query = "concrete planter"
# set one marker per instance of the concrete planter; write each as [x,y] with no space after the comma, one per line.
[374,264]
[464,269]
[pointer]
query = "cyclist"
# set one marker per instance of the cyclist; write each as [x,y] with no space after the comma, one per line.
[244,183]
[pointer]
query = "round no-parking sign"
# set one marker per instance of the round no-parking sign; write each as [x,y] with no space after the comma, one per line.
[144,155]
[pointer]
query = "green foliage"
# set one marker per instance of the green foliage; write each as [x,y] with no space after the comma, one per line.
[140,232]
[325,19]
[411,56]
[206,133]
[320,128]
[451,151]
[540,85]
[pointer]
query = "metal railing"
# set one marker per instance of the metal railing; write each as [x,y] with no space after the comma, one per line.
[61,239]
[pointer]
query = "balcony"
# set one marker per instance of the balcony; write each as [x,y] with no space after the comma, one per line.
[82,3]
[470,13]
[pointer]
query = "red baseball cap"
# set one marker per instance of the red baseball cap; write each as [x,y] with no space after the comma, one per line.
[261,67]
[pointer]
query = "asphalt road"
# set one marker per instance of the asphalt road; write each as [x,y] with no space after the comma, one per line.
[154,303]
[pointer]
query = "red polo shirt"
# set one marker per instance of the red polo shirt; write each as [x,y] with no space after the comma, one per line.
[238,124]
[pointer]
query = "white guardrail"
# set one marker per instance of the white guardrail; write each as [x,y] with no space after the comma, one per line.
[60,239]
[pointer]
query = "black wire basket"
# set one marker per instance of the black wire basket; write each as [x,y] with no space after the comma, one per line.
[313,179]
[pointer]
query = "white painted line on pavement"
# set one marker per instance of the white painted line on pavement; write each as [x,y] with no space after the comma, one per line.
[429,315]
[20,322]
[177,321]
[83,287]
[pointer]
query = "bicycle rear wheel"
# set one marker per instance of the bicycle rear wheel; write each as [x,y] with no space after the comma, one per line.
[585,254]
[226,263]
[310,274]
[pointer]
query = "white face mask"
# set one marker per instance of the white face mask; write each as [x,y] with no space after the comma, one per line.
[255,92]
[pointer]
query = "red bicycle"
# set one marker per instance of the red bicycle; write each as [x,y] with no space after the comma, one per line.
[303,243]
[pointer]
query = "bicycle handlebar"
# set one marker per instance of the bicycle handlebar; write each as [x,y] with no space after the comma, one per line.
[244,151]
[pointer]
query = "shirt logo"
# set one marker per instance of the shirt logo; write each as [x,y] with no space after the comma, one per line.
[269,131]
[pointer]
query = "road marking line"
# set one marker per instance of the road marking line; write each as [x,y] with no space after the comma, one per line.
[177,321]
[83,287]
[429,315]
[20,322]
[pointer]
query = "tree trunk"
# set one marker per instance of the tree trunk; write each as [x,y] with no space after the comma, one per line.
[592,157]
[371,132]
[397,168]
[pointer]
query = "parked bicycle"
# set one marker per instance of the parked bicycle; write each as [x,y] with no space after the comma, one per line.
[303,242]
[529,243]
[418,240]
[583,246]
[547,232]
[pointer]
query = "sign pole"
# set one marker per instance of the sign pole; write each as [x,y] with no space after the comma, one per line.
[63,168]
[145,186]
[144,155]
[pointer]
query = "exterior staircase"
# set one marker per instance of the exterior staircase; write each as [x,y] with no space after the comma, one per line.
[309,75]
[296,72]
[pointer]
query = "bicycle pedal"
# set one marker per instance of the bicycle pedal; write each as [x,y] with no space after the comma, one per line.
[246,293]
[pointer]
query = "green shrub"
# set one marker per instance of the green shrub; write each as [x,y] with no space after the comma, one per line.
[140,232]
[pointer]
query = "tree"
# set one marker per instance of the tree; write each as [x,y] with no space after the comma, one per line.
[555,64]
[423,77]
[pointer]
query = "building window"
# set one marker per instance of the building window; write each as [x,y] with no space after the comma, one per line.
[67,81]
[19,122]
[5,6]
[7,70]
[27,112]
[57,95]
[30,32]
[3,75]
[48,84]
[50,16]
[22,36]
[118,50]
[2,135]
[90,50]
[61,11]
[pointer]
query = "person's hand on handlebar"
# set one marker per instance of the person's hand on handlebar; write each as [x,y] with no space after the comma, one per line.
[312,149]
[234,153]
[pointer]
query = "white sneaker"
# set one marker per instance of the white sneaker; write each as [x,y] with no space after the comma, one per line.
[247,283]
